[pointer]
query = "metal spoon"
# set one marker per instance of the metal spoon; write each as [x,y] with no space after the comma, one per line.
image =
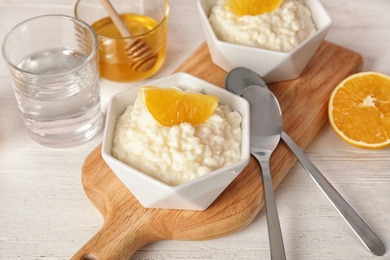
[237,81]
[265,130]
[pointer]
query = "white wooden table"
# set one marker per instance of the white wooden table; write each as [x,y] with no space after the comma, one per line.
[45,214]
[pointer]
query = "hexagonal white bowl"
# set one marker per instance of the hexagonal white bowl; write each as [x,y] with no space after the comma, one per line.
[272,66]
[197,194]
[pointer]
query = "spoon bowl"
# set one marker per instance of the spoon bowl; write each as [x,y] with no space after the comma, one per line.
[238,79]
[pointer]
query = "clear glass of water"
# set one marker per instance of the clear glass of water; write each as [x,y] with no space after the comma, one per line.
[53,63]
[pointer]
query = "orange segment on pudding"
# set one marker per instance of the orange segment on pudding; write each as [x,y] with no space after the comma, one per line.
[170,106]
[253,7]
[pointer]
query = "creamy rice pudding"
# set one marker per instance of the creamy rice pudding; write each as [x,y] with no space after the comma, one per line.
[281,30]
[179,153]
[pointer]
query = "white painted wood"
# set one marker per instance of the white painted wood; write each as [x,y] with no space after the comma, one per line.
[44,213]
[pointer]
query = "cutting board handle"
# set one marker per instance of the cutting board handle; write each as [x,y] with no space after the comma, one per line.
[114,242]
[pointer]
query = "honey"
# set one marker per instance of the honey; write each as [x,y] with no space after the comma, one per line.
[116,63]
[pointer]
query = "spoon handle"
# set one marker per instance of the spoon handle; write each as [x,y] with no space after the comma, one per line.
[119,24]
[362,230]
[274,230]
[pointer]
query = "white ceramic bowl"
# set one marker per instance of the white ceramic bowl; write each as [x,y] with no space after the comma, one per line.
[271,65]
[197,194]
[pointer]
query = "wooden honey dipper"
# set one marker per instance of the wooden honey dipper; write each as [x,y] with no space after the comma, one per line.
[137,48]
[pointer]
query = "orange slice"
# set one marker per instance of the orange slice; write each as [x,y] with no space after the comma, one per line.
[359,110]
[253,7]
[173,107]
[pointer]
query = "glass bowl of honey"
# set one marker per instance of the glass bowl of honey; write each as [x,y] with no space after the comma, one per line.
[140,53]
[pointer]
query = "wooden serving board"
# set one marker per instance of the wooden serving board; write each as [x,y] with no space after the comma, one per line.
[128,226]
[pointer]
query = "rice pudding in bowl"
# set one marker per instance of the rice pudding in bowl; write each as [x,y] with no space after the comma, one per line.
[276,45]
[179,153]
[179,167]
[281,30]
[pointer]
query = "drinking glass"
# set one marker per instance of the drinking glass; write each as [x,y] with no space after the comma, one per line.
[53,63]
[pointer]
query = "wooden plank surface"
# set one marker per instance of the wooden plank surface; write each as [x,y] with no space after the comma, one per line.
[128,226]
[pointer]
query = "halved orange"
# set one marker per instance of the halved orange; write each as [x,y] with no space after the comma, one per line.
[359,110]
[253,7]
[170,106]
